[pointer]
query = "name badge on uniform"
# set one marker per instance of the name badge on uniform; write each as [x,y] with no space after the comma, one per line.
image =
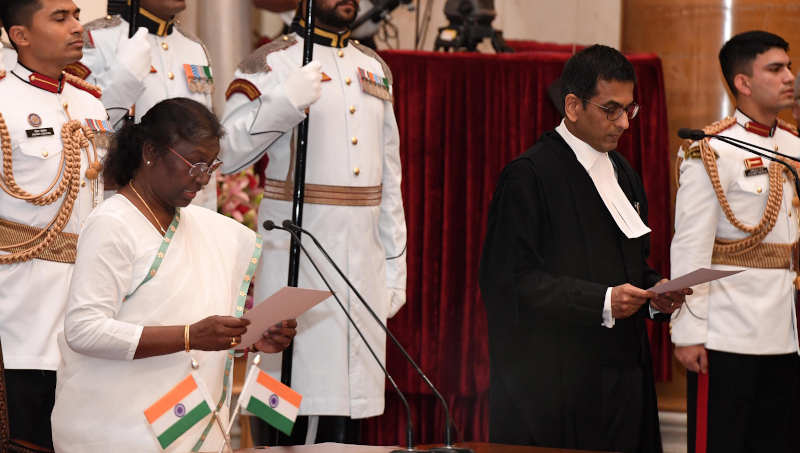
[754,166]
[199,78]
[374,85]
[40,132]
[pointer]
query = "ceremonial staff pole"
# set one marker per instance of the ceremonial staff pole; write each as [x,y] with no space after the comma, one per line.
[133,25]
[299,186]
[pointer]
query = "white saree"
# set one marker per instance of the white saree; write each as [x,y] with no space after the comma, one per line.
[127,276]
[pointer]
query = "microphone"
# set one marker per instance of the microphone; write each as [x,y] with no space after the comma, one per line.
[269,225]
[448,447]
[691,134]
[697,134]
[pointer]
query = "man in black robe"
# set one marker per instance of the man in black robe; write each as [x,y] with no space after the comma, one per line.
[562,275]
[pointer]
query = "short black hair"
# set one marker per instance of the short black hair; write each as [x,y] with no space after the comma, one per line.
[737,55]
[585,68]
[17,12]
[163,125]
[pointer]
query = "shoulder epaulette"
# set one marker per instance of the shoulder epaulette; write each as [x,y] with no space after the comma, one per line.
[387,72]
[192,37]
[81,84]
[98,24]
[788,127]
[719,126]
[257,61]
[78,69]
[243,86]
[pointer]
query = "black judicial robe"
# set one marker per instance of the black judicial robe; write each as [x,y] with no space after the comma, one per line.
[558,377]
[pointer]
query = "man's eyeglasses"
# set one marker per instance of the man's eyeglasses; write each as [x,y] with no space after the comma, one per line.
[614,113]
[199,168]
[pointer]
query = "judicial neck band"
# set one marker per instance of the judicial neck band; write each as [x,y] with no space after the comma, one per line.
[448,447]
[269,225]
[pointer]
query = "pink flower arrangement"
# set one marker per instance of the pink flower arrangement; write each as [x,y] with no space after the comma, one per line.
[239,195]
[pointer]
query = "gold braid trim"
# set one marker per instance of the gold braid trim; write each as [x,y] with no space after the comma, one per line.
[775,191]
[74,137]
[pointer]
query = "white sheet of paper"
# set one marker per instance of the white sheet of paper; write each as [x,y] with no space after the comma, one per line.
[696,277]
[287,303]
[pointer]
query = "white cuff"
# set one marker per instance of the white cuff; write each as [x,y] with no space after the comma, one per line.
[653,311]
[608,317]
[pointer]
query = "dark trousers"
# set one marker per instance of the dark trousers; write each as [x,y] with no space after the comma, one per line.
[31,395]
[745,404]
[342,430]
[616,414]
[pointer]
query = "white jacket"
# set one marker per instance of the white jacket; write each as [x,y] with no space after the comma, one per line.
[332,368]
[752,312]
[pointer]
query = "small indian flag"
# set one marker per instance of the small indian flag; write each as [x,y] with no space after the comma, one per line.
[177,411]
[270,400]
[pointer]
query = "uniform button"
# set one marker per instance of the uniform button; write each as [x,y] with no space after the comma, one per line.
[65,105]
[354,140]
[164,46]
[83,183]
[340,53]
[352,109]
[170,75]
[356,171]
[285,38]
[758,190]
[45,154]
[347,80]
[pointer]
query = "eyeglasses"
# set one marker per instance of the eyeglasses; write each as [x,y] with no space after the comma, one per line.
[199,168]
[614,113]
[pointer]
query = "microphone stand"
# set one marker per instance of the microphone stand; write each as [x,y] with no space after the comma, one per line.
[270,225]
[448,447]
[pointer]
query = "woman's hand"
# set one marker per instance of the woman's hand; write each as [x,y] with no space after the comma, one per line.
[278,337]
[217,333]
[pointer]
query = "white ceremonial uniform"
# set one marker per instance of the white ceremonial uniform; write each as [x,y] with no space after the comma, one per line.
[353,142]
[170,49]
[33,293]
[752,312]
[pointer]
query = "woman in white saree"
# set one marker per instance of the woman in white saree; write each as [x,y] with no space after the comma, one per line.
[158,286]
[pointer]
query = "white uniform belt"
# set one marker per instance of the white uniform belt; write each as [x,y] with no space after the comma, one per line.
[324,194]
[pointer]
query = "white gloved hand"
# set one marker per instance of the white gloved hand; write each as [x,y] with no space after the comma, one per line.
[134,53]
[304,86]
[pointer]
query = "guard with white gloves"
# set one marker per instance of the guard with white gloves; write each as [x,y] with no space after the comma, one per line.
[160,61]
[353,203]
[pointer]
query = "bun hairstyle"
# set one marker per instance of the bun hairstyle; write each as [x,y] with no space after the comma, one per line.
[168,122]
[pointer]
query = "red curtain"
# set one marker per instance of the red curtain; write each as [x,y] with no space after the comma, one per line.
[462,117]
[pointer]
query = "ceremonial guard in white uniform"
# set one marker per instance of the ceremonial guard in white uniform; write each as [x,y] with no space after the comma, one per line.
[353,203]
[737,211]
[160,61]
[51,133]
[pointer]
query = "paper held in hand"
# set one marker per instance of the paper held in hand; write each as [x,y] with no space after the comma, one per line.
[287,303]
[696,277]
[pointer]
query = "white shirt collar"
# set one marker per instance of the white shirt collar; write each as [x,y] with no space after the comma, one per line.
[586,155]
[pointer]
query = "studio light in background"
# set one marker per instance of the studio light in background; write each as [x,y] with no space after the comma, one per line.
[470,23]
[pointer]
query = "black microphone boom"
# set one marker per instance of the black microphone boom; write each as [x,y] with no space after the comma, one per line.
[448,447]
[749,147]
[698,134]
[270,225]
